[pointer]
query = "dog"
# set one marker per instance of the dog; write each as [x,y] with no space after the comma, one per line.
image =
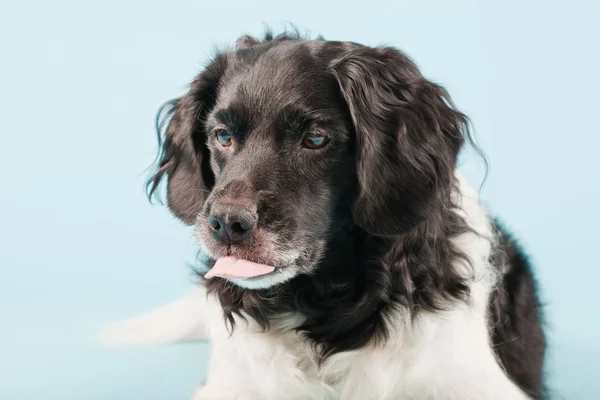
[346,257]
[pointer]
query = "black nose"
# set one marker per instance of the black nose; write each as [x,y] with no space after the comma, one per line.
[232,225]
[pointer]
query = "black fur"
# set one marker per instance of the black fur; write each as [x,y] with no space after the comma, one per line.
[516,319]
[371,213]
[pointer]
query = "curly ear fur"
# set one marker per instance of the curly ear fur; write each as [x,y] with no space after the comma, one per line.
[408,136]
[184,156]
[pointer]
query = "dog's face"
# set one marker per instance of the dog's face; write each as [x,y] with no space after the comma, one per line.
[278,146]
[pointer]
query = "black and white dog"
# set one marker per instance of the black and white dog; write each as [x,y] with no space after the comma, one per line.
[347,258]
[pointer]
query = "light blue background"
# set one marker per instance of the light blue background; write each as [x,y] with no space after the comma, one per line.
[80,246]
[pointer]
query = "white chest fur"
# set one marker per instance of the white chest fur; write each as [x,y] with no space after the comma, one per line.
[437,356]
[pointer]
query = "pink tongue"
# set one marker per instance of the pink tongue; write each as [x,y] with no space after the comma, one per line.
[230,267]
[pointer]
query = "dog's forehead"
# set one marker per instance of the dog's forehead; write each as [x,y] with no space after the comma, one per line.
[282,75]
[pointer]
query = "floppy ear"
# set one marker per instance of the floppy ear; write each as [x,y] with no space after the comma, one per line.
[408,135]
[184,157]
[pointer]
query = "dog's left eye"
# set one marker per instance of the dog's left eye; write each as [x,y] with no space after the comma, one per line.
[223,137]
[314,140]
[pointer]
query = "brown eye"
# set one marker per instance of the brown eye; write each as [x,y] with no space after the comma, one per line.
[314,140]
[223,137]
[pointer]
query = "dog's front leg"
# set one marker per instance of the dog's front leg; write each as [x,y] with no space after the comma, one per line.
[183,320]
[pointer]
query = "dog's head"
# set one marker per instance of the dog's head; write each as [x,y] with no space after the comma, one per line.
[281,144]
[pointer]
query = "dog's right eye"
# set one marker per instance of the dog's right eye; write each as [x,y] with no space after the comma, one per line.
[223,137]
[314,140]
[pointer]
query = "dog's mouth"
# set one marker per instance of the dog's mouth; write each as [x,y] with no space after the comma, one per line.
[231,267]
[258,273]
